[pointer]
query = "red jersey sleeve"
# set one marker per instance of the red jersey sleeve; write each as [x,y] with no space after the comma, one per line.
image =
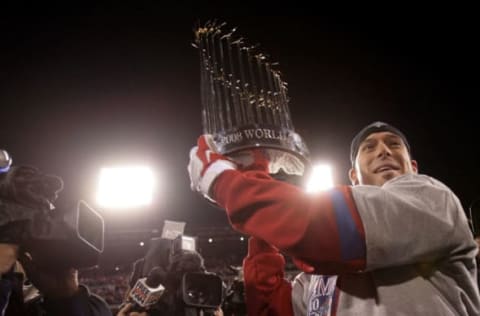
[322,230]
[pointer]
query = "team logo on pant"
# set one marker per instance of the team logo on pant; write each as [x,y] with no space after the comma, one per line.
[322,289]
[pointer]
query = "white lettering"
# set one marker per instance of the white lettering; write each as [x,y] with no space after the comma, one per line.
[259,133]
[249,133]
[267,133]
[325,289]
[278,135]
[232,138]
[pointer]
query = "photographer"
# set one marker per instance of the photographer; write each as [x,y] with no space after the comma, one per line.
[29,286]
[172,280]
[127,311]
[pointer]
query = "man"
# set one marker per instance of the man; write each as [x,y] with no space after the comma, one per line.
[395,243]
[127,310]
[165,263]
[28,288]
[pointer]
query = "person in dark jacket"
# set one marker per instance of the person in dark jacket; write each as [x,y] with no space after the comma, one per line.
[28,290]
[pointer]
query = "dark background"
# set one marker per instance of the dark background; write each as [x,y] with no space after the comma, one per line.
[96,86]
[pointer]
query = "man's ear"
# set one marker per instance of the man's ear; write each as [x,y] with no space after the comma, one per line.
[352,174]
[414,166]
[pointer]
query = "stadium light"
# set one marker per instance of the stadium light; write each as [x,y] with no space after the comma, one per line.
[320,179]
[125,187]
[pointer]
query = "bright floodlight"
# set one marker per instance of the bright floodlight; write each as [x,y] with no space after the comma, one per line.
[320,179]
[125,187]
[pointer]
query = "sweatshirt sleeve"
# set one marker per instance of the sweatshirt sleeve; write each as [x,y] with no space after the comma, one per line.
[322,230]
[412,219]
[267,291]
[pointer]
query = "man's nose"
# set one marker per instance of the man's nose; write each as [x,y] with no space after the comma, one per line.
[383,150]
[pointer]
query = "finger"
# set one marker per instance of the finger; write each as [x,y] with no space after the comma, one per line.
[193,152]
[210,143]
[205,142]
[124,310]
[194,168]
[26,260]
[191,165]
[203,151]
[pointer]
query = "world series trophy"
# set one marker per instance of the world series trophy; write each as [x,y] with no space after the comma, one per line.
[244,100]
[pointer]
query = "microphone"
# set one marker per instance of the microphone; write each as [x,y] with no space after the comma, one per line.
[147,291]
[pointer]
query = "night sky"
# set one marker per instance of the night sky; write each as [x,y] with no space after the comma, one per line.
[79,92]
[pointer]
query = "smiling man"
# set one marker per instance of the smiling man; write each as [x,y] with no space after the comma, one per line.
[395,243]
[384,155]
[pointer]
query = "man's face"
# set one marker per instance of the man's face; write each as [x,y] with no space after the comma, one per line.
[8,256]
[381,156]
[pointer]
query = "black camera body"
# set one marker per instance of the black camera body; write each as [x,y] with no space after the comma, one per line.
[71,238]
[202,290]
[55,238]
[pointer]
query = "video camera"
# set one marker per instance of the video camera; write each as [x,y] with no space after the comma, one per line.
[186,287]
[55,238]
[235,303]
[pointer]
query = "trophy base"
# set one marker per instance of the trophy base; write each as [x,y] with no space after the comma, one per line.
[254,136]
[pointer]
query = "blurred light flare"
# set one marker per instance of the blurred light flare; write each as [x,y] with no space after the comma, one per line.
[321,179]
[125,187]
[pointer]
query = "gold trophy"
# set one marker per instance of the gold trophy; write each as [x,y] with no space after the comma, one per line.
[245,103]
